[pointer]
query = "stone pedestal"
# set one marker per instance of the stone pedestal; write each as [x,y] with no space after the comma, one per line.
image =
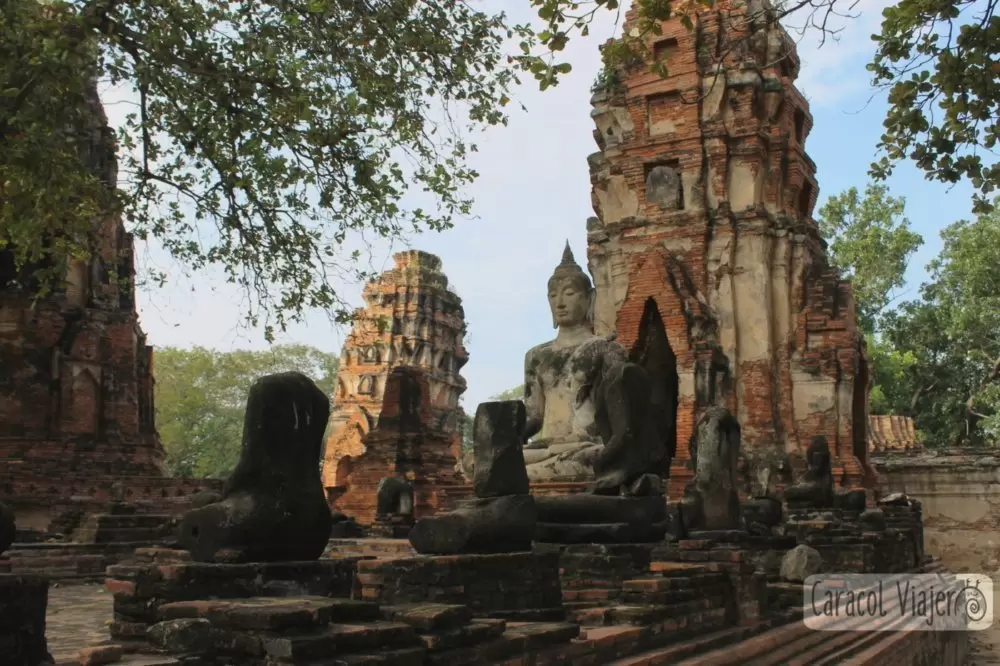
[23,602]
[514,586]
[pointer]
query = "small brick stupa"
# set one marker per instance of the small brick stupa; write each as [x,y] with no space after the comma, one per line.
[706,260]
[411,318]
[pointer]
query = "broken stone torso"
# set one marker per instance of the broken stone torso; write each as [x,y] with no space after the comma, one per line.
[558,395]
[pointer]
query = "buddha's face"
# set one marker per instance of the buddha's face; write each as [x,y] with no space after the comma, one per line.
[569,301]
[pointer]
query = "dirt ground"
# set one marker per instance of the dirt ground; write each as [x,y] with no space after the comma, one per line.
[972,551]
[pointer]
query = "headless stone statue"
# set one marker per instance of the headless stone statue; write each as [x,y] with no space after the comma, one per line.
[273,507]
[393,496]
[816,487]
[587,406]
[503,516]
[712,501]
[763,468]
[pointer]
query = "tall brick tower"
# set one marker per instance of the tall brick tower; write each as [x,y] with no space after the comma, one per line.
[411,318]
[706,260]
[76,383]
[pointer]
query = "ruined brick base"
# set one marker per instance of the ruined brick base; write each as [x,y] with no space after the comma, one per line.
[693,602]
[23,601]
[519,586]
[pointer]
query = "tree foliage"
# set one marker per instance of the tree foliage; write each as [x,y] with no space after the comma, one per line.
[263,135]
[937,61]
[870,240]
[945,345]
[201,395]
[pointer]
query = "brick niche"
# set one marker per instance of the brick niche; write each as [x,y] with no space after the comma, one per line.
[706,260]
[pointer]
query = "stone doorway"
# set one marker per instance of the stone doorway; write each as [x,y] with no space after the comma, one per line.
[653,352]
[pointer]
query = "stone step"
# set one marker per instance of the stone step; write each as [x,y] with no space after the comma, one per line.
[428,616]
[414,656]
[340,638]
[645,614]
[473,633]
[796,644]
[104,535]
[842,647]
[670,597]
[673,653]
[673,568]
[674,583]
[756,645]
[519,639]
[271,613]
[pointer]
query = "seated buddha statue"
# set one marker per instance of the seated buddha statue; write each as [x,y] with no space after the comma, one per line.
[587,407]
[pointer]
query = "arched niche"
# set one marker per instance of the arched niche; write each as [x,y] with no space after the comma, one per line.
[653,352]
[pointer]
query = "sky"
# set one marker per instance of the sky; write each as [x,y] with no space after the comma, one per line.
[533,194]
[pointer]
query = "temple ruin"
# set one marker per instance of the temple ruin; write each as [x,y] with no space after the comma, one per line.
[411,318]
[77,413]
[736,347]
[704,252]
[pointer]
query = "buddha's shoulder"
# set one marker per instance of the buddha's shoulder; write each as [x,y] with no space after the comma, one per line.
[537,350]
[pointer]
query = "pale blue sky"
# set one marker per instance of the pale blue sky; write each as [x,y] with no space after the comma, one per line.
[534,193]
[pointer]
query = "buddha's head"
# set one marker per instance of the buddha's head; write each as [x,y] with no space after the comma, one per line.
[571,295]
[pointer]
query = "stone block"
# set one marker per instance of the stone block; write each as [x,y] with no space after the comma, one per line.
[800,563]
[498,435]
[429,617]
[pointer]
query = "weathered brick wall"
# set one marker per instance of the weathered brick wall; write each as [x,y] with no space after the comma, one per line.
[408,442]
[411,318]
[704,196]
[959,490]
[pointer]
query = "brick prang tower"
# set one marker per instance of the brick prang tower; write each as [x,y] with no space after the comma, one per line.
[411,318]
[76,374]
[706,260]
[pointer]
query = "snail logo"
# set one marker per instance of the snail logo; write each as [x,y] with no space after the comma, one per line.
[975,602]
